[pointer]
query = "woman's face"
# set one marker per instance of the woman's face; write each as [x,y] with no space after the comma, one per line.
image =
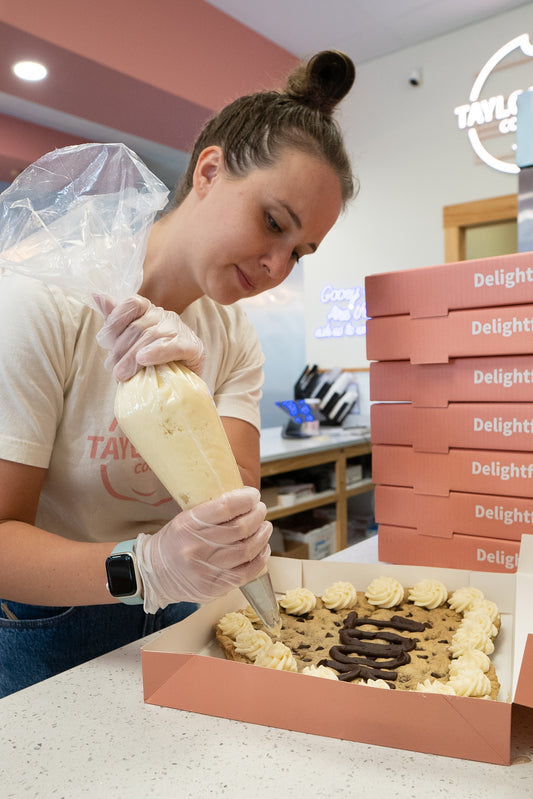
[249,232]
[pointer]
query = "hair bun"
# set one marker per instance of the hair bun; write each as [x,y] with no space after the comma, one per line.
[323,81]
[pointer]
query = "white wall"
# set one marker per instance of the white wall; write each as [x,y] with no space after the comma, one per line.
[279,318]
[411,160]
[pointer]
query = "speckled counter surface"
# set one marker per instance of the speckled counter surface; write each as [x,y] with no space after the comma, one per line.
[87,732]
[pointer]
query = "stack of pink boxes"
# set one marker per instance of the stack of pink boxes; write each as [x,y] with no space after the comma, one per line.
[452,423]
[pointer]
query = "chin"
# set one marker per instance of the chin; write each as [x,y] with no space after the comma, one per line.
[226,297]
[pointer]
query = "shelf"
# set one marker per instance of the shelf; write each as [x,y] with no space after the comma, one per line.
[310,501]
[361,487]
[280,456]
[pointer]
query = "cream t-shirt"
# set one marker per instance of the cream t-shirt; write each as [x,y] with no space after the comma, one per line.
[57,400]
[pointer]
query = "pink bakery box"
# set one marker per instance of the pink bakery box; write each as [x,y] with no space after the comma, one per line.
[406,545]
[474,425]
[484,515]
[435,290]
[507,378]
[470,333]
[500,472]
[184,668]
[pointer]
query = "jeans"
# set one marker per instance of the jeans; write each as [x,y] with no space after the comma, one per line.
[37,642]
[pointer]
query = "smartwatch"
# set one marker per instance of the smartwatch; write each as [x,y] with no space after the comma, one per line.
[123,579]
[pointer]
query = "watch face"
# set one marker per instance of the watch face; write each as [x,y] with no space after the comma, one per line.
[121,575]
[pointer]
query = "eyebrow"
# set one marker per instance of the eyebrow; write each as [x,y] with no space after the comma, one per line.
[298,222]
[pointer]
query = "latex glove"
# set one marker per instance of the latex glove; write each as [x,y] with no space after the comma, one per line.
[206,551]
[138,334]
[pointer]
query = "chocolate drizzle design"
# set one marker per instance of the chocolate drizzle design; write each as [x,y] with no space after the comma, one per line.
[357,657]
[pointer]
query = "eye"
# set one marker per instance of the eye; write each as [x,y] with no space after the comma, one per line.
[272,224]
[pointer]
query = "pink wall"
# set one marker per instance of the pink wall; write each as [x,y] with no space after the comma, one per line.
[154,70]
[22,143]
[186,47]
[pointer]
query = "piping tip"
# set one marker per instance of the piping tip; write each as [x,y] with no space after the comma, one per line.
[260,594]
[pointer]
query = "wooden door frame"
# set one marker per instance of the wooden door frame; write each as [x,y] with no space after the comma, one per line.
[456,218]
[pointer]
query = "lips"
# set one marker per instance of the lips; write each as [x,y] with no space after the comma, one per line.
[244,280]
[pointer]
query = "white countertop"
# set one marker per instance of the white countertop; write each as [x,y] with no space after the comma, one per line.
[273,446]
[88,733]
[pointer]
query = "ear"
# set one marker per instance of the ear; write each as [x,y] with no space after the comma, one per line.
[209,166]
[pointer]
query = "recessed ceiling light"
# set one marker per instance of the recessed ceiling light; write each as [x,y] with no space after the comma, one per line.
[30,70]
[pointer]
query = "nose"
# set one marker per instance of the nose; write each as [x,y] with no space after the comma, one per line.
[278,263]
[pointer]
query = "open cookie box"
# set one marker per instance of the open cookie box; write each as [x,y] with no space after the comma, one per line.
[184,668]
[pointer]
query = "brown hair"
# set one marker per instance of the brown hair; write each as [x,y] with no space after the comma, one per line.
[254,129]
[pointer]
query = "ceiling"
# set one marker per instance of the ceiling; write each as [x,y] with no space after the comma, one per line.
[365,29]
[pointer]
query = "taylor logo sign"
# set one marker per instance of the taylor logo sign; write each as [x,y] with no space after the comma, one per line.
[487,115]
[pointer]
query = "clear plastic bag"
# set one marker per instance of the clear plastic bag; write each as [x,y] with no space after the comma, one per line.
[79,218]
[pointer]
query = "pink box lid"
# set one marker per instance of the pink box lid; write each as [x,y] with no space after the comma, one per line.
[460,512]
[506,378]
[478,471]
[483,331]
[435,290]
[473,425]
[405,545]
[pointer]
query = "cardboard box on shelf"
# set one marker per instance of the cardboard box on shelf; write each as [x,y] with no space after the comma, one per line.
[296,492]
[354,473]
[269,495]
[405,545]
[320,538]
[435,290]
[472,425]
[506,378]
[184,668]
[472,333]
[293,549]
[484,515]
[498,472]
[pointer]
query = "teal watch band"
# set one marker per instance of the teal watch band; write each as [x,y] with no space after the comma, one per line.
[123,579]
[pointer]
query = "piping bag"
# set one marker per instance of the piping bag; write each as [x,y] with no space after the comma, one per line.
[169,416]
[79,218]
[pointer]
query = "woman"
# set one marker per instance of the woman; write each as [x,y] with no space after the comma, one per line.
[268,177]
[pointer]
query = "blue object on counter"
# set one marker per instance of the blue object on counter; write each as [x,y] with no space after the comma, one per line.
[304,418]
[299,410]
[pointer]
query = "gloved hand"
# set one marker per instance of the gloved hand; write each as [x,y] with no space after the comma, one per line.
[206,551]
[139,334]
